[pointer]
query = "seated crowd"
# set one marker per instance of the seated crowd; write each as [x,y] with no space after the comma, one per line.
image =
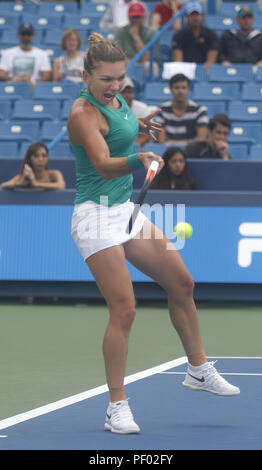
[193,42]
[186,128]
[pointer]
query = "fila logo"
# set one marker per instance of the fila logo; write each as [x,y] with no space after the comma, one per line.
[248,246]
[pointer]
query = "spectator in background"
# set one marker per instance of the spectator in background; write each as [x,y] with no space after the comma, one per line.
[138,108]
[243,45]
[182,119]
[195,42]
[216,145]
[116,15]
[69,67]
[34,171]
[133,37]
[175,173]
[25,63]
[163,12]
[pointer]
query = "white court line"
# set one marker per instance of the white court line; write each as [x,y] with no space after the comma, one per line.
[7,422]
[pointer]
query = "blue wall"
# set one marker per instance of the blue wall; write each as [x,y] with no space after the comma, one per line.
[215,175]
[35,240]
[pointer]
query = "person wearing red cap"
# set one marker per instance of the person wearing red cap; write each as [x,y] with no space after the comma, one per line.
[133,37]
[243,45]
[116,15]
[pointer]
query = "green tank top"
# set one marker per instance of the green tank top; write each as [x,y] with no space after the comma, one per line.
[123,129]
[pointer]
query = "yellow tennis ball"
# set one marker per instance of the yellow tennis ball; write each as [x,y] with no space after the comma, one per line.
[183,230]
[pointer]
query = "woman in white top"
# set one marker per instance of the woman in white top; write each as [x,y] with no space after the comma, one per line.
[69,66]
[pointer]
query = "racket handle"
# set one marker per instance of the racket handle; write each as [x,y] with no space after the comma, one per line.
[154,166]
[151,172]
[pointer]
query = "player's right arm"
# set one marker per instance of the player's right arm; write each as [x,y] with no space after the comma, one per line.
[87,127]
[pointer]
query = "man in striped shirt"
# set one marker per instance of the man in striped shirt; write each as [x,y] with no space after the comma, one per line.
[183,120]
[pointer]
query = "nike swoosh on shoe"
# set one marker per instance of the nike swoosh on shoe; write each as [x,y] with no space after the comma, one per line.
[197,378]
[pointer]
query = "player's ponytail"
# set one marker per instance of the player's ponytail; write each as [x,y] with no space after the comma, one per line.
[101,50]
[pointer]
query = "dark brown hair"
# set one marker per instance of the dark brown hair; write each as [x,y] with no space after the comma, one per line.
[101,50]
[222,119]
[164,178]
[32,149]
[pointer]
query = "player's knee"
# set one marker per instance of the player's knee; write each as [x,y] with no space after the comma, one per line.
[187,285]
[124,314]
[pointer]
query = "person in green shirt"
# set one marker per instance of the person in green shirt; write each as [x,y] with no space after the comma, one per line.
[102,130]
[133,37]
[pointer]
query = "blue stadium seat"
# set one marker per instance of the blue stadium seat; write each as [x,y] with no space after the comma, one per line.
[158,149]
[53,51]
[258,22]
[217,107]
[12,91]
[231,8]
[5,109]
[231,73]
[238,151]
[245,111]
[255,152]
[201,74]
[51,129]
[55,91]
[251,92]
[66,106]
[18,8]
[220,23]
[138,75]
[165,42]
[258,75]
[8,149]
[19,131]
[58,8]
[8,21]
[248,133]
[42,22]
[216,91]
[62,150]
[157,93]
[39,110]
[93,8]
[87,23]
[52,38]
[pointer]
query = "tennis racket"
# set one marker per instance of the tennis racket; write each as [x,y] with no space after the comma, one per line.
[151,173]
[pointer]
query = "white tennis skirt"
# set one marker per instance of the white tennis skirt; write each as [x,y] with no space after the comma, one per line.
[96,227]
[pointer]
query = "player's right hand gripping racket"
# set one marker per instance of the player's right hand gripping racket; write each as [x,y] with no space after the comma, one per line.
[151,173]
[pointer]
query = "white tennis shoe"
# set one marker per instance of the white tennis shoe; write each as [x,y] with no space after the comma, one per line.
[210,380]
[119,418]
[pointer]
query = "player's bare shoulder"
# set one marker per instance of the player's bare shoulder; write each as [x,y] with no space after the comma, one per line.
[79,109]
[81,117]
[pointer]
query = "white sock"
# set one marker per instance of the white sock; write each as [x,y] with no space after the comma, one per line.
[197,368]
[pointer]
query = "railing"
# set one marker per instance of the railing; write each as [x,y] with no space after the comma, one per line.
[149,46]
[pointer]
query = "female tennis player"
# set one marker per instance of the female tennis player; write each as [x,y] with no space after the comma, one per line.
[102,130]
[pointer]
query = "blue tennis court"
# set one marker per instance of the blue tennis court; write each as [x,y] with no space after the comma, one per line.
[170,416]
